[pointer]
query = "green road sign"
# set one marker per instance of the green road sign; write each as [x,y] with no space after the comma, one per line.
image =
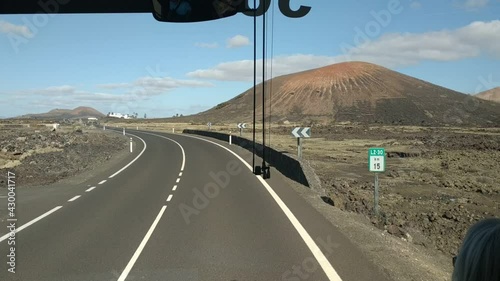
[376,159]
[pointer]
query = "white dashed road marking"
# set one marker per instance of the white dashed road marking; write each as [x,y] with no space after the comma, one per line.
[174,188]
[178,180]
[31,222]
[74,198]
[169,198]
[180,174]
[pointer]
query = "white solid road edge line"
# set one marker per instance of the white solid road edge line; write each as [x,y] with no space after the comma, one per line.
[137,157]
[31,222]
[90,189]
[101,182]
[316,251]
[182,148]
[137,253]
[74,198]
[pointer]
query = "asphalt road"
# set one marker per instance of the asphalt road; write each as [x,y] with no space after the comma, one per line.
[184,208]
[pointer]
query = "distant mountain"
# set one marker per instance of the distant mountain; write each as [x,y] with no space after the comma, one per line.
[79,112]
[491,95]
[357,92]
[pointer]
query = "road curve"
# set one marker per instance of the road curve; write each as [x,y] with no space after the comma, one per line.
[186,209]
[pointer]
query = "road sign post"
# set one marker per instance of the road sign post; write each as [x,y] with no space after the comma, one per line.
[376,207]
[300,133]
[299,148]
[376,164]
[209,124]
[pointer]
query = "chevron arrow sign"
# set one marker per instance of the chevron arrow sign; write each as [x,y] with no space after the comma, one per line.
[300,132]
[242,125]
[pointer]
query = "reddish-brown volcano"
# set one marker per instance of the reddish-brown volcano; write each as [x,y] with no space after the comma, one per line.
[357,92]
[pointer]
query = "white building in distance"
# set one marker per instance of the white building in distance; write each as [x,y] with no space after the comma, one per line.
[119,115]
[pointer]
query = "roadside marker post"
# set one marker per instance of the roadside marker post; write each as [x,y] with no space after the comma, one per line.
[173,130]
[137,128]
[376,164]
[130,145]
[300,133]
[104,128]
[230,138]
[123,131]
[209,124]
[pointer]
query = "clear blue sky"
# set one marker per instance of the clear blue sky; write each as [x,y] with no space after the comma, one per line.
[132,63]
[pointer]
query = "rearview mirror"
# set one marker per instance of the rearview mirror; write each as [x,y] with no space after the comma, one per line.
[195,10]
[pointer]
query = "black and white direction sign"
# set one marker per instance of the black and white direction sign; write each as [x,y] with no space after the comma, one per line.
[300,132]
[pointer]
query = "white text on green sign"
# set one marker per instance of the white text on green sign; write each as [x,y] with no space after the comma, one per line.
[376,160]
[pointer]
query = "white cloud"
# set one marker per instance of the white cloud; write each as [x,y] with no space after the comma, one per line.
[112,86]
[474,4]
[390,50]
[212,45]
[167,83]
[7,27]
[243,70]
[10,28]
[49,92]
[132,94]
[473,40]
[415,5]
[42,100]
[237,41]
[64,93]
[126,97]
[55,90]
[156,85]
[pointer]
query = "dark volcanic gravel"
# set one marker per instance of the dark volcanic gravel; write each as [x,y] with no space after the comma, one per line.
[47,157]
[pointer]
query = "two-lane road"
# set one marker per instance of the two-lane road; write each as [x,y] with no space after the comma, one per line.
[186,209]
